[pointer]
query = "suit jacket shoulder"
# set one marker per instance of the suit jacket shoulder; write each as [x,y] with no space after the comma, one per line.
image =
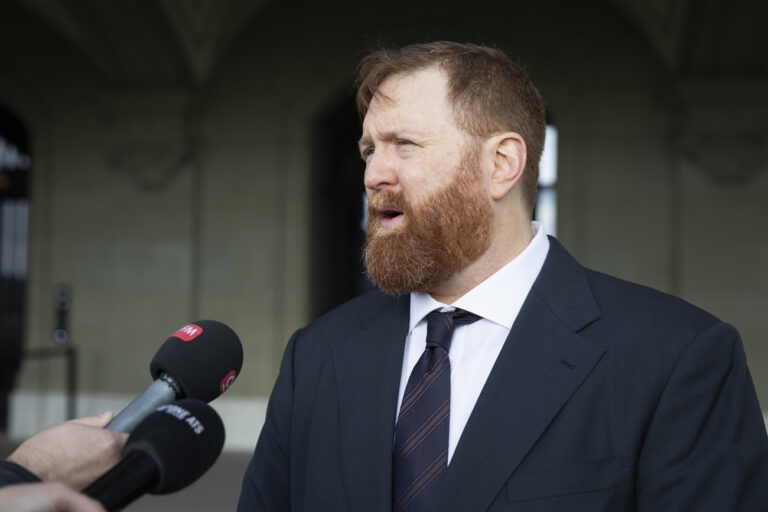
[353,315]
[313,343]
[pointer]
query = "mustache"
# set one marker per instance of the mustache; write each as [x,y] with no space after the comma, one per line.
[388,199]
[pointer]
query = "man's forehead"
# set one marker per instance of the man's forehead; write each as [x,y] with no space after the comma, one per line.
[410,86]
[417,97]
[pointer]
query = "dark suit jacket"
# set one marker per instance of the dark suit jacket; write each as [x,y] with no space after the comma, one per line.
[606,396]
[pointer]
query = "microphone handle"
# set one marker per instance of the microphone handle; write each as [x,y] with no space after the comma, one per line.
[130,478]
[163,391]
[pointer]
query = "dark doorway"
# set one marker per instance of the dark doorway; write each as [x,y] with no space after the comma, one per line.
[337,207]
[15,165]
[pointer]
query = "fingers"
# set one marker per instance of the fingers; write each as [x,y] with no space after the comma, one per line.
[100,421]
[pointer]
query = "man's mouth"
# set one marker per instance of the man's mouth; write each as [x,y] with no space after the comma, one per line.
[389,213]
[389,216]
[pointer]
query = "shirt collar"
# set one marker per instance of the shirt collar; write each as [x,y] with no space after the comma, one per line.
[500,297]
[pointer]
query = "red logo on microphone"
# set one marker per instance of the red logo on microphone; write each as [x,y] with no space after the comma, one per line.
[227,381]
[188,332]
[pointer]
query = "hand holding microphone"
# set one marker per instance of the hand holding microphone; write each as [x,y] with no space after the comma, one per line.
[200,360]
[73,452]
[171,448]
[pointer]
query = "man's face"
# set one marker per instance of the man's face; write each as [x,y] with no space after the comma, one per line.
[429,216]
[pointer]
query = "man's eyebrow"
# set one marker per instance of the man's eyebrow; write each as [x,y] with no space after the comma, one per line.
[364,142]
[388,136]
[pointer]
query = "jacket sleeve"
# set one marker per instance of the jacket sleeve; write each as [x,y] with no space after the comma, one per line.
[12,473]
[706,447]
[266,484]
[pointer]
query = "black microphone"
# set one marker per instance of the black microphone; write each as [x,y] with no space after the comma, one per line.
[171,448]
[200,360]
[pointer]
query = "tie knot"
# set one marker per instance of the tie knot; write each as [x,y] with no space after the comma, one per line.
[440,326]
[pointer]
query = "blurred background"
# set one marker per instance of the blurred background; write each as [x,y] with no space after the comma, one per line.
[163,161]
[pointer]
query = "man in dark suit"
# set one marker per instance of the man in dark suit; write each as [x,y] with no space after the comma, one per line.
[493,372]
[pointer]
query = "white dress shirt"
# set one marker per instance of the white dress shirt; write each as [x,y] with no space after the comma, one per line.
[476,346]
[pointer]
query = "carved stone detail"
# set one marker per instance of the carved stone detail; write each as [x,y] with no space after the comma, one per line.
[151,165]
[725,129]
[147,136]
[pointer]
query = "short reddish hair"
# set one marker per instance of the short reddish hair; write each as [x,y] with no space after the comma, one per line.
[489,92]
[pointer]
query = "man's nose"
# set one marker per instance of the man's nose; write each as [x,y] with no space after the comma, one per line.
[380,172]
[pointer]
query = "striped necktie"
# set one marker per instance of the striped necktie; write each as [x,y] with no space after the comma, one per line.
[421,435]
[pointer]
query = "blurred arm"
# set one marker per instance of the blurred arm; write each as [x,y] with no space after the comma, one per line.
[45,497]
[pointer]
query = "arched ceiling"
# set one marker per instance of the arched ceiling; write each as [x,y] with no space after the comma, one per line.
[704,37]
[151,42]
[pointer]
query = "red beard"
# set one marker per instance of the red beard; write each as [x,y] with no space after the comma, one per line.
[441,236]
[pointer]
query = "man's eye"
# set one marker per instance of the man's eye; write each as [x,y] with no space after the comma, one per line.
[403,142]
[366,152]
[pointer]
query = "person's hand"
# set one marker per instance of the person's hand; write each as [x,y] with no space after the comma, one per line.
[74,452]
[46,497]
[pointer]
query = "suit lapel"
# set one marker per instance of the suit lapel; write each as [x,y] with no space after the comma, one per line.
[542,363]
[368,366]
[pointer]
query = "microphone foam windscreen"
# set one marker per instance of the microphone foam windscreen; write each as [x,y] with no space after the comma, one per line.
[183,438]
[204,358]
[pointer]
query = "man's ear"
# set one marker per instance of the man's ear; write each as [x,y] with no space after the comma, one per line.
[506,154]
